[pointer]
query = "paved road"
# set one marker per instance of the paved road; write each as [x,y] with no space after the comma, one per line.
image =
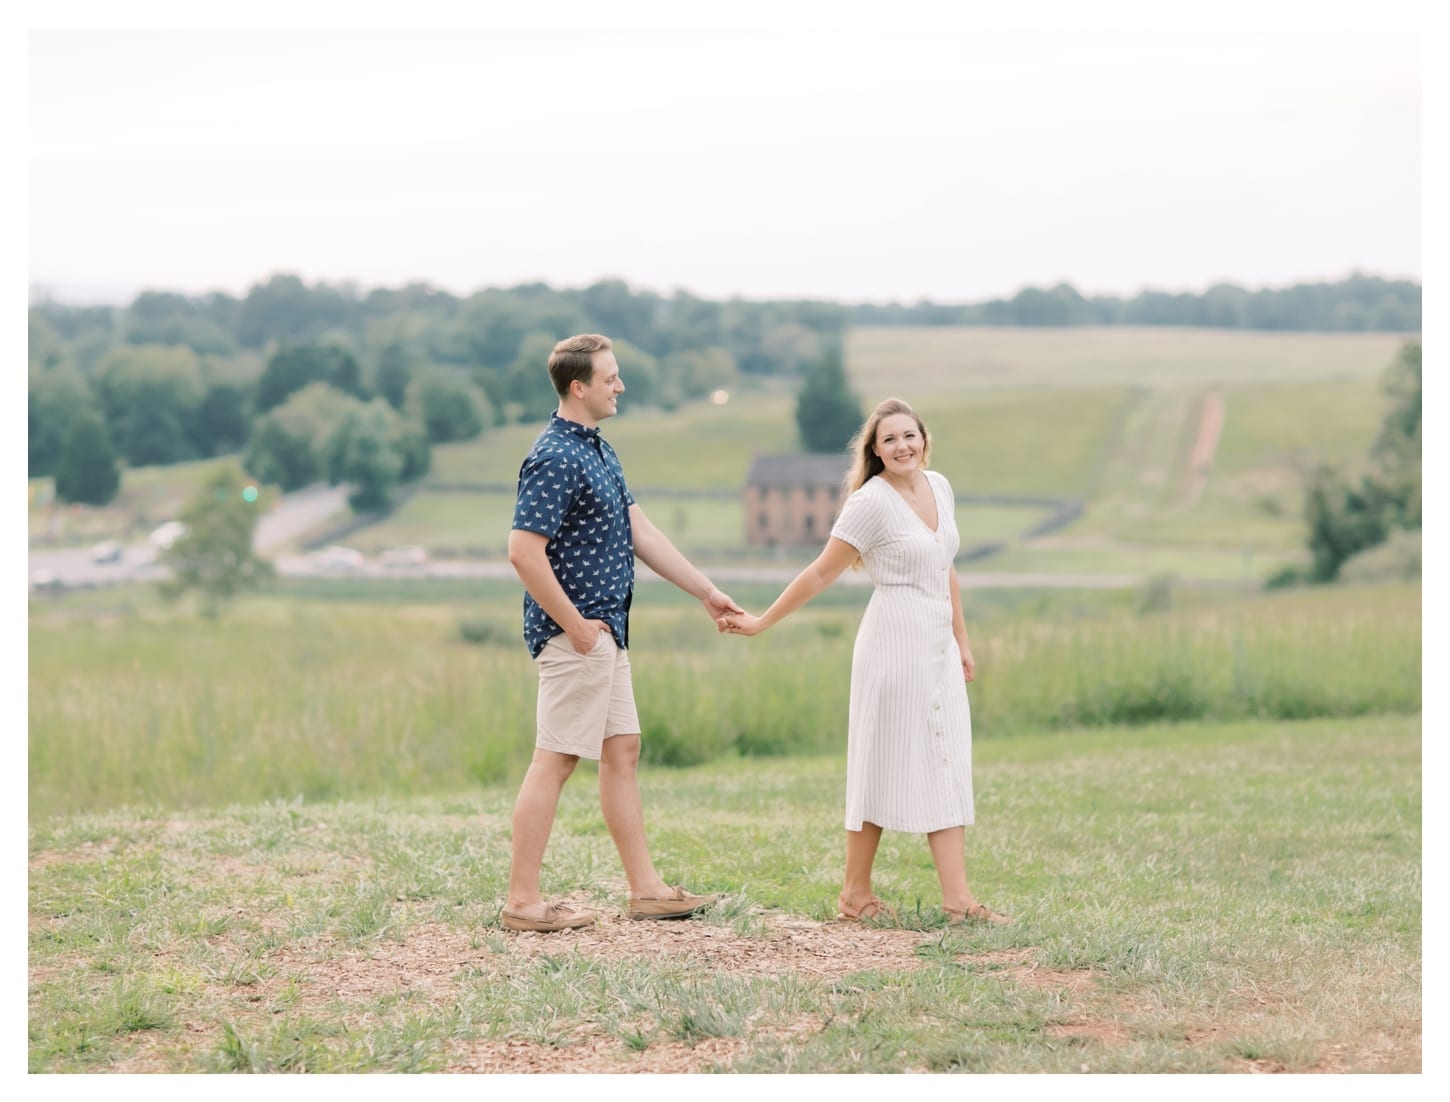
[304,511]
[297,514]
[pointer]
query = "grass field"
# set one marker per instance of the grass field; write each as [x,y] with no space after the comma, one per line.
[933,360]
[1188,899]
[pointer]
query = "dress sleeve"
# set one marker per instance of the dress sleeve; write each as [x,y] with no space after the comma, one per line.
[862,521]
[548,485]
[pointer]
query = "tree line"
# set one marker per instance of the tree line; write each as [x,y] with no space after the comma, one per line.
[1358,303]
[331,382]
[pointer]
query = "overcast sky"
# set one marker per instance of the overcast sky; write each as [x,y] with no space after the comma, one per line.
[955,166]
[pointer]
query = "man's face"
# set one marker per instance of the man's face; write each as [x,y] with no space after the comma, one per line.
[602,391]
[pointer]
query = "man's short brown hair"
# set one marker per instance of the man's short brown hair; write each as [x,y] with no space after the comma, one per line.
[573,358]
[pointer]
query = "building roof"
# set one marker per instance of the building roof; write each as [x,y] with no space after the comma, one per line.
[798,470]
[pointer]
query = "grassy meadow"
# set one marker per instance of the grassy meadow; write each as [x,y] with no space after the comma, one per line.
[278,841]
[1227,897]
[947,358]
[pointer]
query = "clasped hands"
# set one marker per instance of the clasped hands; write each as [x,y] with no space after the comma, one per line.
[730,618]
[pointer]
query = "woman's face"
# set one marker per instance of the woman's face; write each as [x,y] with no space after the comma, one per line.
[899,444]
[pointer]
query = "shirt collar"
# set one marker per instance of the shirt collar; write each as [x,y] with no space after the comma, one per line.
[573,428]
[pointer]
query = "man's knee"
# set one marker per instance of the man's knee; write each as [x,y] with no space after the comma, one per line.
[554,765]
[620,752]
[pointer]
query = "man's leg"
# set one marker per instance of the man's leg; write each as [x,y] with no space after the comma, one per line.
[624,813]
[533,821]
[619,798]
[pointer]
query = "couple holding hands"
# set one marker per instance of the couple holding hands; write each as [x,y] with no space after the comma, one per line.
[576,533]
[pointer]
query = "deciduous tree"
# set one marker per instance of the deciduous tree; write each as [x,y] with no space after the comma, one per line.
[827,411]
[215,557]
[87,471]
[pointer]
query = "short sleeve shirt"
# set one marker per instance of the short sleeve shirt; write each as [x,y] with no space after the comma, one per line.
[572,490]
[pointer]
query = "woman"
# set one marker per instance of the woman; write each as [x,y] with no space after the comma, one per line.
[909,751]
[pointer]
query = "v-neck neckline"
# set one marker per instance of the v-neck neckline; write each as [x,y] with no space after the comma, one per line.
[908,506]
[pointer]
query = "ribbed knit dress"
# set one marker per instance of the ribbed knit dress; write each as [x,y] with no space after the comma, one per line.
[909,744]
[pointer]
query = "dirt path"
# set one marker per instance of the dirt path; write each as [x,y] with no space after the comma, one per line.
[1205,448]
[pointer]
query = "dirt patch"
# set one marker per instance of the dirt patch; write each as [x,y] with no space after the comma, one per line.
[598,1055]
[427,963]
[829,950]
[1095,1032]
[430,967]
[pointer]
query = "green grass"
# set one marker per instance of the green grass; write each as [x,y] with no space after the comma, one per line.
[1049,444]
[701,446]
[1197,564]
[1189,898]
[476,525]
[882,360]
[316,697]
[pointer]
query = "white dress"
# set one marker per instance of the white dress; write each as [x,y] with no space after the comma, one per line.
[909,746]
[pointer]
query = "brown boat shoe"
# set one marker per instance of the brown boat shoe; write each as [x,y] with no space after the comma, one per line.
[677,904]
[553,917]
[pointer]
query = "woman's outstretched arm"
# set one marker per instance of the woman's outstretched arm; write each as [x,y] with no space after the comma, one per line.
[827,567]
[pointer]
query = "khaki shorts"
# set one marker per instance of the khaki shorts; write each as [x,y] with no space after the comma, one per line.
[584,698]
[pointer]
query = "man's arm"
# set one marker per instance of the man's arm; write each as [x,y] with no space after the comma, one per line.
[653,548]
[529,558]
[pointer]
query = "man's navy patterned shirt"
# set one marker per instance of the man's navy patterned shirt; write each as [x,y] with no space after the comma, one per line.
[571,489]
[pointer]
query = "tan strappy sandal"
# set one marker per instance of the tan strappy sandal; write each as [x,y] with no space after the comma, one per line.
[977,912]
[873,909]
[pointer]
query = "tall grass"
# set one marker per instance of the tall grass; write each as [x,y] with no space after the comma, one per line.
[135,702]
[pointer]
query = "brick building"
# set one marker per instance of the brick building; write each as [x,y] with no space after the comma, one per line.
[792,500]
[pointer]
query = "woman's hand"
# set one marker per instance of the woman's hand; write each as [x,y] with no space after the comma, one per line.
[969,664]
[740,623]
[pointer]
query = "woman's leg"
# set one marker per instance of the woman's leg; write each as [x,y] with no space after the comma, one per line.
[860,855]
[949,853]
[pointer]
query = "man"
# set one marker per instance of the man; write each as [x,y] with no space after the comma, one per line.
[576,533]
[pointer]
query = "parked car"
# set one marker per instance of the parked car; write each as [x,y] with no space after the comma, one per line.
[167,534]
[338,560]
[106,551]
[46,580]
[403,557]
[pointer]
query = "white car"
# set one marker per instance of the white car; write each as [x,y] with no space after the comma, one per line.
[166,535]
[339,560]
[106,551]
[46,580]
